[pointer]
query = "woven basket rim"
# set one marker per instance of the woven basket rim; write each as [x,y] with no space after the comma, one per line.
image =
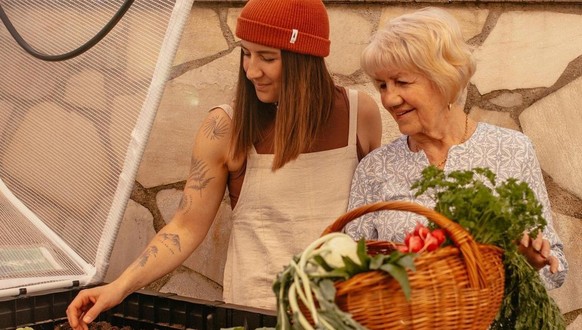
[461,238]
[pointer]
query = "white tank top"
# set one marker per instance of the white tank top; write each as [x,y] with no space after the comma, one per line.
[279,213]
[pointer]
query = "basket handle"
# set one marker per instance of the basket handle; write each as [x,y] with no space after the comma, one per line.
[462,239]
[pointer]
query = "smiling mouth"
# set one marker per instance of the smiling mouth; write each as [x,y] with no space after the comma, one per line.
[261,86]
[402,113]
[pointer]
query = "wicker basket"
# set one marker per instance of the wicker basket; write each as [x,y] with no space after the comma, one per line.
[455,287]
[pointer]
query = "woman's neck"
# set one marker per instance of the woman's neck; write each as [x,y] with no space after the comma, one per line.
[437,149]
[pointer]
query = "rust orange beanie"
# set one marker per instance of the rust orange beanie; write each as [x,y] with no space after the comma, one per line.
[299,26]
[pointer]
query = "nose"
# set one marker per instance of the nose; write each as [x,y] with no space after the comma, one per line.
[391,98]
[253,70]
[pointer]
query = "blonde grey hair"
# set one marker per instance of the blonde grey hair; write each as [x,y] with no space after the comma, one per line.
[428,41]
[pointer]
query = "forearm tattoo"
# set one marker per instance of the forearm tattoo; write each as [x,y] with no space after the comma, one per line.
[215,128]
[150,251]
[171,241]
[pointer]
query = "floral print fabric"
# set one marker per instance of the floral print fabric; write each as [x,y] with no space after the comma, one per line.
[388,172]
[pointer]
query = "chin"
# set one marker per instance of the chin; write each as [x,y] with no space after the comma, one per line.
[404,131]
[267,99]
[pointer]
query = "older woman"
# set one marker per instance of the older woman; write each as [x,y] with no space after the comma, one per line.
[421,65]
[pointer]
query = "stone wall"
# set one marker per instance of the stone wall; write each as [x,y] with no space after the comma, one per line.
[529,78]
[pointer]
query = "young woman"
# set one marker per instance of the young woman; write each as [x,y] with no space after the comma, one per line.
[285,148]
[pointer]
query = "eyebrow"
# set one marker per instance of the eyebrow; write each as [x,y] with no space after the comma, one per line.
[262,52]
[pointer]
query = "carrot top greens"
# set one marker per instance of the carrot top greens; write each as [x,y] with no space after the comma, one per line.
[498,214]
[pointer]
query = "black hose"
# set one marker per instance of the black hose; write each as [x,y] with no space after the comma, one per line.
[76,52]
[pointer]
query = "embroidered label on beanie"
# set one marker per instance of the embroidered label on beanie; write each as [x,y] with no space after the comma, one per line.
[294,35]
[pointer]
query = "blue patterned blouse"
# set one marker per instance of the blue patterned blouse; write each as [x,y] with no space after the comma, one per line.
[388,172]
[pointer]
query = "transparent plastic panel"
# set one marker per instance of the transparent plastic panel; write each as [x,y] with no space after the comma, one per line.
[72,132]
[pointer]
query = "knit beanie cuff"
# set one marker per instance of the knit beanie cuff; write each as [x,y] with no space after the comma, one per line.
[282,38]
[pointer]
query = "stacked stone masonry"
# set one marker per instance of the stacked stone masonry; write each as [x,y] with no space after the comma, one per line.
[529,78]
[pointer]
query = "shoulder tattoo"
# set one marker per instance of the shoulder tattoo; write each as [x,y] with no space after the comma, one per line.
[215,128]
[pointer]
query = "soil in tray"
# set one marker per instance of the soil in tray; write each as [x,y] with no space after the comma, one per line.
[93,326]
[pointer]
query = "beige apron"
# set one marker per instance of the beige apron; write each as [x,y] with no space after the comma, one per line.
[279,213]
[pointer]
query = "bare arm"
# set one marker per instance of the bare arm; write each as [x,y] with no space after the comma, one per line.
[203,193]
[201,199]
[369,123]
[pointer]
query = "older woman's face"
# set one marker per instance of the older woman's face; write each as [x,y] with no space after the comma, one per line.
[412,99]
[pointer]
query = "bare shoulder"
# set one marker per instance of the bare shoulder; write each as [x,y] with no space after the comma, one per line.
[367,106]
[214,137]
[369,122]
[216,125]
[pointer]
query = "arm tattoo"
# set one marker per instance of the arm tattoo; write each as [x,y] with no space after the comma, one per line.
[143,259]
[215,128]
[171,240]
[185,203]
[197,179]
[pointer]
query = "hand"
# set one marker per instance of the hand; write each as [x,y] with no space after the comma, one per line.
[537,252]
[89,303]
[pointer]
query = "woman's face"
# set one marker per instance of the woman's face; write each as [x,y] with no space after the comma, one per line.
[263,68]
[413,101]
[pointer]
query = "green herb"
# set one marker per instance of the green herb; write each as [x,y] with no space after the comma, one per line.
[498,215]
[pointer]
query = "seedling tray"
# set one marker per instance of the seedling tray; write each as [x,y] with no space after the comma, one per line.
[141,310]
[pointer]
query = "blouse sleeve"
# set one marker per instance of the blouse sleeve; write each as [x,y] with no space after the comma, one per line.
[360,194]
[534,177]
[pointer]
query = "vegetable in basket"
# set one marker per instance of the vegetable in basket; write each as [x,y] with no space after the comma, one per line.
[308,281]
[498,214]
[493,214]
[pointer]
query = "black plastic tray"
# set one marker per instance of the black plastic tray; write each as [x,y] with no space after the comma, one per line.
[141,310]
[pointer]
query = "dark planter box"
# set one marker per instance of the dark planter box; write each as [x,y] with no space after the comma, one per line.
[141,310]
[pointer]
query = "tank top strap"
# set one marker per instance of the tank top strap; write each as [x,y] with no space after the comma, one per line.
[353,100]
[227,108]
[230,112]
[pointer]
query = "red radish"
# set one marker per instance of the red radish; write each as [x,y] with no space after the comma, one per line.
[423,231]
[407,238]
[422,239]
[415,244]
[417,228]
[431,243]
[402,248]
[439,234]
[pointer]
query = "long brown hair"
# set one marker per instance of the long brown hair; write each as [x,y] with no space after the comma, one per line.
[305,104]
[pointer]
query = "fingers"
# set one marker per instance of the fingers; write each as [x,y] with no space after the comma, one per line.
[79,308]
[537,251]
[553,263]
[524,240]
[75,310]
[538,242]
[93,312]
[545,248]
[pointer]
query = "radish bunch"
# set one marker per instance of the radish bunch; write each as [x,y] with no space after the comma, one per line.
[422,239]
